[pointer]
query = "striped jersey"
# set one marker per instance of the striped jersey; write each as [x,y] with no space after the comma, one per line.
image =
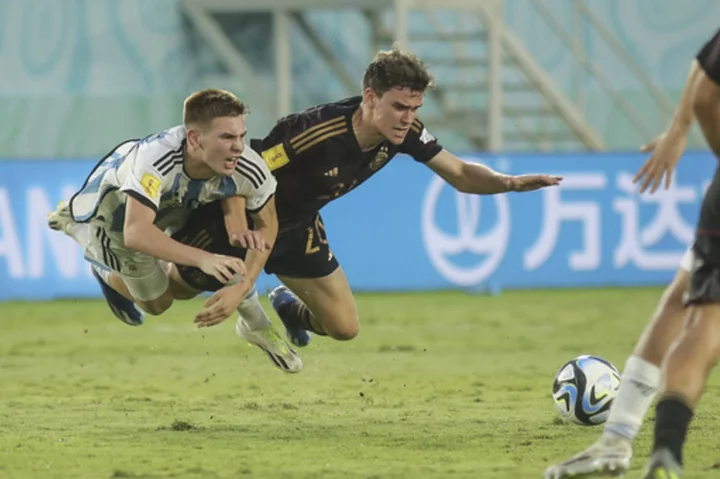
[151,171]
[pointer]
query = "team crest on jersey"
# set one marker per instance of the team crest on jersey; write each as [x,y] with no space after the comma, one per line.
[380,159]
[150,184]
[426,137]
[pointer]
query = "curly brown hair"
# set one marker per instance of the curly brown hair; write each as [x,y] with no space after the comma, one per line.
[396,68]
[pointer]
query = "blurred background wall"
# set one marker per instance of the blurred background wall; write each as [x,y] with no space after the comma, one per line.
[67,64]
[560,86]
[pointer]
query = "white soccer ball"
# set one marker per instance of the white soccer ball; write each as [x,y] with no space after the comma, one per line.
[584,389]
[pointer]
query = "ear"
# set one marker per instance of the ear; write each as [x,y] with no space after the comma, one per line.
[370,97]
[193,138]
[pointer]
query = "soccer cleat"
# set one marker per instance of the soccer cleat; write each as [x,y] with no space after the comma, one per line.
[269,340]
[123,309]
[280,299]
[59,219]
[608,457]
[662,465]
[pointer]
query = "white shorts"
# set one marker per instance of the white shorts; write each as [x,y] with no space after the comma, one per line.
[145,277]
[686,263]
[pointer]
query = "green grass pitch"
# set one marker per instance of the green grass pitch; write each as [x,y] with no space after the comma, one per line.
[437,385]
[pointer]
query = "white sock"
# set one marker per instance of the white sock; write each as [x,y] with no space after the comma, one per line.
[640,381]
[252,313]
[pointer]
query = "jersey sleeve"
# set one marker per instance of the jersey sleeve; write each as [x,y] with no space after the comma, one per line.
[263,182]
[420,144]
[145,180]
[709,58]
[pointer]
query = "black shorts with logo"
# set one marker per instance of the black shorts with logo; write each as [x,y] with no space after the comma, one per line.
[300,252]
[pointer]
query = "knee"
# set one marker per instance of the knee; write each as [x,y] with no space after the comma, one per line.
[342,328]
[158,306]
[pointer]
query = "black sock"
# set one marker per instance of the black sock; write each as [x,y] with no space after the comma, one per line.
[672,418]
[303,315]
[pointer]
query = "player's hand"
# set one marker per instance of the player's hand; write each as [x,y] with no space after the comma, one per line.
[533,182]
[249,240]
[222,304]
[223,268]
[666,152]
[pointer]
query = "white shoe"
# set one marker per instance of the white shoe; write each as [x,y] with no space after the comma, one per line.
[270,341]
[608,457]
[61,218]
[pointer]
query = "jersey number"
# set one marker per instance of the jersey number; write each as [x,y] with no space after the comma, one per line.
[316,236]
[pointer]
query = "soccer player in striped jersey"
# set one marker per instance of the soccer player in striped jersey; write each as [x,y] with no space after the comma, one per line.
[143,190]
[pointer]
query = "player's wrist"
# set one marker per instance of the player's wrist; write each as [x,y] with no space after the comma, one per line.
[509,182]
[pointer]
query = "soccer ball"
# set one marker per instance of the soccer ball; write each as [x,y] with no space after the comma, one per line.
[584,389]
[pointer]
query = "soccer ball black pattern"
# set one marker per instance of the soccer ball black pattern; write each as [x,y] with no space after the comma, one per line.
[584,390]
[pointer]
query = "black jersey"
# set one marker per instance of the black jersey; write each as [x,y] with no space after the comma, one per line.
[709,223]
[316,158]
[709,58]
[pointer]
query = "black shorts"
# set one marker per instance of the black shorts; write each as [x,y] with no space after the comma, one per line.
[205,230]
[301,252]
[705,273]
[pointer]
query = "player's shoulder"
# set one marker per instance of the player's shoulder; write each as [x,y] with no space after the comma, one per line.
[419,132]
[164,150]
[251,167]
[329,117]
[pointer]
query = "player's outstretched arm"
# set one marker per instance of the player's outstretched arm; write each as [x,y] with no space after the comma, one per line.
[479,179]
[140,234]
[668,147]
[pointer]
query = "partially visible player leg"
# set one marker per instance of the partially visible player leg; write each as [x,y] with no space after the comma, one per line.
[687,369]
[611,454]
[316,297]
[253,325]
[692,359]
[126,275]
[325,305]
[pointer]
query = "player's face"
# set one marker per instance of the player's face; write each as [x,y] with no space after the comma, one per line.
[395,111]
[222,143]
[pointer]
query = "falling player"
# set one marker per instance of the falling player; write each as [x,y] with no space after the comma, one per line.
[144,187]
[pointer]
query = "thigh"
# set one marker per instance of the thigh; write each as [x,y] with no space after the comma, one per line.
[145,277]
[329,298]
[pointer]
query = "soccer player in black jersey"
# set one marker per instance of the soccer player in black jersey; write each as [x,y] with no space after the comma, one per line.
[693,320]
[324,152]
